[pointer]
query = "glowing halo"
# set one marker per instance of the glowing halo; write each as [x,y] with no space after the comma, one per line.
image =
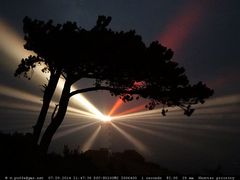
[105,118]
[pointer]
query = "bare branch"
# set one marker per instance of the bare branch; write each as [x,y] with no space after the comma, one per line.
[91,89]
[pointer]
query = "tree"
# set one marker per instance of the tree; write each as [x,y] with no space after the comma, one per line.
[43,39]
[120,63]
[47,41]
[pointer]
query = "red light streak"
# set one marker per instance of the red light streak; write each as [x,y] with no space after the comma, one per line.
[117,104]
[183,25]
[132,110]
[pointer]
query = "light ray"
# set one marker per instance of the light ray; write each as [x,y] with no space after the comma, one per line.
[138,144]
[80,112]
[18,94]
[182,126]
[206,127]
[155,111]
[73,124]
[139,128]
[86,104]
[222,101]
[166,136]
[143,114]
[185,22]
[132,110]
[210,107]
[72,130]
[25,96]
[214,111]
[119,102]
[116,106]
[90,141]
[19,106]
[76,115]
[12,44]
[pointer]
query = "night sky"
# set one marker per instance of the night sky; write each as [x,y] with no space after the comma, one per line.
[205,37]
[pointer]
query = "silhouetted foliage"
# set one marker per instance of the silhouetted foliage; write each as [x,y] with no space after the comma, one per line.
[119,62]
[19,157]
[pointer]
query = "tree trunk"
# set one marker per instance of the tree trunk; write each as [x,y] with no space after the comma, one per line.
[57,120]
[47,97]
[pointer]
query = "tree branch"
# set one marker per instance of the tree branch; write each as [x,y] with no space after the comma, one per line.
[93,89]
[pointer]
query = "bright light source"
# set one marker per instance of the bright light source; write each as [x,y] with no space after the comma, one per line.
[105,118]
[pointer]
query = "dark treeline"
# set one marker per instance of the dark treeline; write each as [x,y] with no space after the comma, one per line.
[20,157]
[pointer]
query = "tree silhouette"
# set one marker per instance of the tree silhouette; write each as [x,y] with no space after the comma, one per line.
[44,39]
[47,41]
[119,62]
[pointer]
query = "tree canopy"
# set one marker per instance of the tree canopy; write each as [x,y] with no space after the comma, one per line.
[119,62]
